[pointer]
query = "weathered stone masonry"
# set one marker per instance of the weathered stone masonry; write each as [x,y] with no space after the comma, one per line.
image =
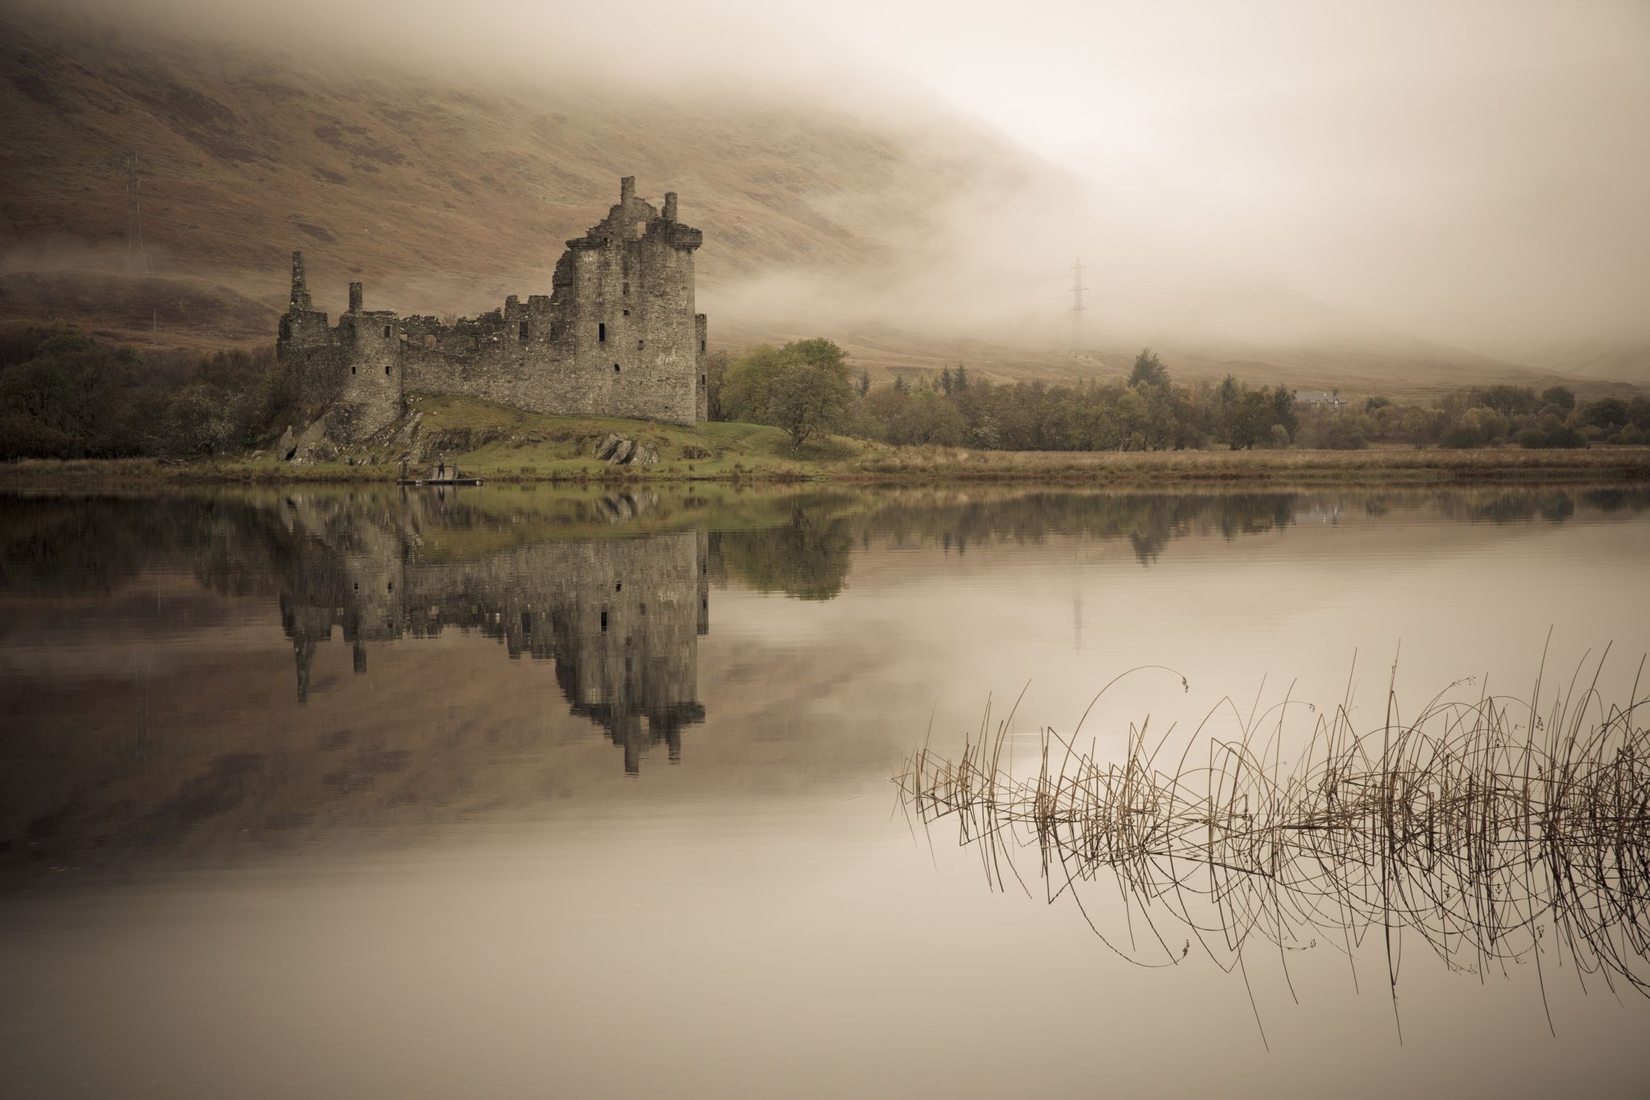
[616,336]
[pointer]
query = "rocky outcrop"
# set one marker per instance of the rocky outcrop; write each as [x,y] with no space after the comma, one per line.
[617,450]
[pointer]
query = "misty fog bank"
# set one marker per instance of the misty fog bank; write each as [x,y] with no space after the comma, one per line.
[1470,175]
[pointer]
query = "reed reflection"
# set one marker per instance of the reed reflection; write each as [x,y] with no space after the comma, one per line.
[1498,832]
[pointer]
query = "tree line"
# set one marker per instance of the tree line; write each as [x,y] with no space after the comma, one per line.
[64,394]
[808,388]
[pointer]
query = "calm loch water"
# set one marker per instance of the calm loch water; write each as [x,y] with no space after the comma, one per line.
[516,792]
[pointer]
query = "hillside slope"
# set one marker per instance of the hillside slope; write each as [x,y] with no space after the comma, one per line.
[427,187]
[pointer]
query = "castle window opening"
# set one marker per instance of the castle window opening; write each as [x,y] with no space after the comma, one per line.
[627,288]
[352,368]
[618,586]
[524,330]
[701,345]
[627,313]
[701,380]
[604,622]
[386,332]
[386,368]
[601,332]
[640,344]
[615,368]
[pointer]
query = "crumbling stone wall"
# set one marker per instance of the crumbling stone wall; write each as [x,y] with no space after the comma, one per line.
[617,336]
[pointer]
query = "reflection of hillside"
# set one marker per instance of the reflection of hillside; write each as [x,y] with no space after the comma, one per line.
[619,618]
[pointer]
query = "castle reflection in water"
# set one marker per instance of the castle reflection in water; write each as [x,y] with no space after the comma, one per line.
[620,618]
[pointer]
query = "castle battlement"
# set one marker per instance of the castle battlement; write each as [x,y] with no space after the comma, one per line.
[616,336]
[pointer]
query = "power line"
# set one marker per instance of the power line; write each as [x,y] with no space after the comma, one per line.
[136,258]
[1077,289]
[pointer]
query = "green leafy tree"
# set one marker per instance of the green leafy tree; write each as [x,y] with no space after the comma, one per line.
[716,378]
[802,387]
[1148,370]
[1249,420]
[1606,412]
[1560,397]
[749,383]
[1228,391]
[1283,411]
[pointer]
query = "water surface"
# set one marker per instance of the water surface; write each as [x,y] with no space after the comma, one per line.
[511,792]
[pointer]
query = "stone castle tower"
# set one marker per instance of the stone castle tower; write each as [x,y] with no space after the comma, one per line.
[616,336]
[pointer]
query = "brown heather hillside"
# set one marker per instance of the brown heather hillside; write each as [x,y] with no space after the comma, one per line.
[444,194]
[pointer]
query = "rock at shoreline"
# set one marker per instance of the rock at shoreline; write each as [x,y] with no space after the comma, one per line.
[616,450]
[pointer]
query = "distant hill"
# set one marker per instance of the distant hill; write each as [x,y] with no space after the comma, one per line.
[1628,363]
[425,186]
[444,196]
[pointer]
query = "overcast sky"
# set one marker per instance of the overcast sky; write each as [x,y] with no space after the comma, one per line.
[1470,170]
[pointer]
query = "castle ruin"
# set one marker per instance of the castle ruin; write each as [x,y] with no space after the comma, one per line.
[616,336]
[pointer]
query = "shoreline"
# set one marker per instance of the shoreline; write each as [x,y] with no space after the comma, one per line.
[908,466]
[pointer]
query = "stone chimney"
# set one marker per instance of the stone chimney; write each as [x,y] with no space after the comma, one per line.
[670,206]
[300,291]
[355,296]
[627,188]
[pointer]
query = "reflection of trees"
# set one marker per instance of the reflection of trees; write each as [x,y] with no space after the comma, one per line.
[1149,521]
[1489,845]
[806,558]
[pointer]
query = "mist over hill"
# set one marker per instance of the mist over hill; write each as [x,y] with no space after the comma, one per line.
[912,237]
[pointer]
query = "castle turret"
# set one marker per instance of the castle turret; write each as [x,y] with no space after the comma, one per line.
[303,329]
[300,290]
[627,188]
[355,297]
[669,213]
